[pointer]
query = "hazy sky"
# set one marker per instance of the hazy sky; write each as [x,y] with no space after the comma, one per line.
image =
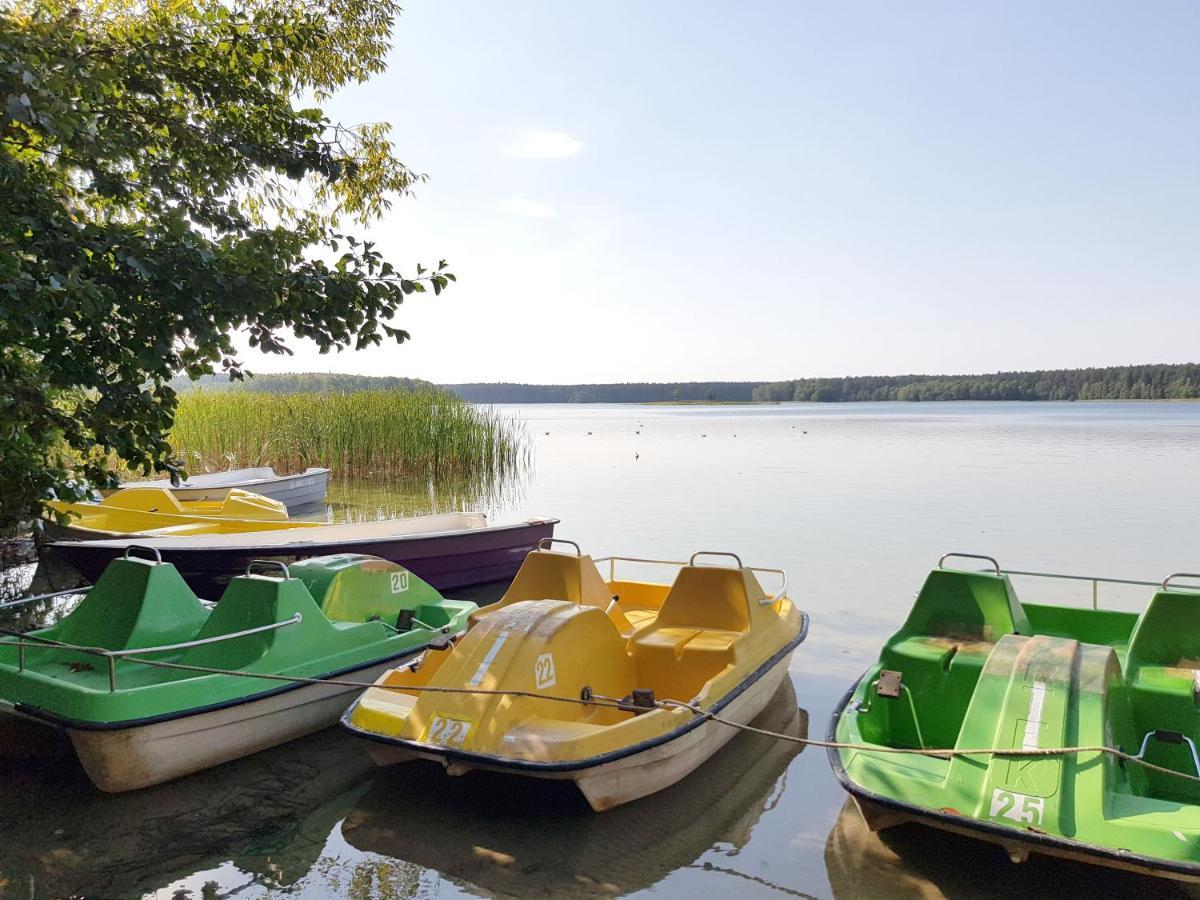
[633,191]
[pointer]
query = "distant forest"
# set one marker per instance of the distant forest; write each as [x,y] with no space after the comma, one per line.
[648,392]
[1153,382]
[302,383]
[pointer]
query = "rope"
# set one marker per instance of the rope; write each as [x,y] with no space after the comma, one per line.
[614,703]
[948,753]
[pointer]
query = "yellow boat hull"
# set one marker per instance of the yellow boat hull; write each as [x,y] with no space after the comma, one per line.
[156,512]
[508,696]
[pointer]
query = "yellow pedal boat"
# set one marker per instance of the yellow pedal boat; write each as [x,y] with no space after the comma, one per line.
[156,511]
[515,690]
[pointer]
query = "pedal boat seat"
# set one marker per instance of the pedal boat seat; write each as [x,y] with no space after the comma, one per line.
[705,613]
[1163,674]
[553,575]
[941,650]
[134,603]
[254,601]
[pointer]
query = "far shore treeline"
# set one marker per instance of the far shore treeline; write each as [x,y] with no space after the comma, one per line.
[1148,382]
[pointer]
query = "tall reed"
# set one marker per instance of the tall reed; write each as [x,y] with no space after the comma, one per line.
[362,434]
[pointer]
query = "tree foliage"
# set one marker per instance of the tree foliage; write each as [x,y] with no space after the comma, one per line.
[1150,382]
[304,383]
[161,187]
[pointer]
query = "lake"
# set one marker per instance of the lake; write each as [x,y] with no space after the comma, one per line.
[857,502]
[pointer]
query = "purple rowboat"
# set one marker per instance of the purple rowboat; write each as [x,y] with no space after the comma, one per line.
[450,550]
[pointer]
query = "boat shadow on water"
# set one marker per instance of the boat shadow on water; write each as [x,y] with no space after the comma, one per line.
[914,860]
[270,814]
[506,836]
[272,820]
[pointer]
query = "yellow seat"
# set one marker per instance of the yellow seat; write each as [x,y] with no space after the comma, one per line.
[709,597]
[667,639]
[550,575]
[703,615]
[637,618]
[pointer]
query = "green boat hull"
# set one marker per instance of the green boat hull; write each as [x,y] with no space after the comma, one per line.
[255,671]
[972,668]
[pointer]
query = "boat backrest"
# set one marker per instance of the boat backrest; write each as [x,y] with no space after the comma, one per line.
[252,601]
[710,597]
[240,504]
[145,499]
[550,575]
[134,603]
[969,606]
[355,587]
[1168,633]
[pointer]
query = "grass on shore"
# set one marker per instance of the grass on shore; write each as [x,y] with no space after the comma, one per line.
[361,434]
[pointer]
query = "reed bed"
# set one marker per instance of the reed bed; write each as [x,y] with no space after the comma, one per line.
[364,434]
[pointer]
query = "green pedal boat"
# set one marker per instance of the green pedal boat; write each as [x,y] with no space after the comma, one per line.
[135,722]
[973,668]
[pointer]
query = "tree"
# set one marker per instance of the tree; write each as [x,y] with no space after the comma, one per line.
[161,187]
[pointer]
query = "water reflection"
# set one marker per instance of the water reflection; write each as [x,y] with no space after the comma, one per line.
[270,814]
[315,814]
[513,836]
[916,861]
[360,500]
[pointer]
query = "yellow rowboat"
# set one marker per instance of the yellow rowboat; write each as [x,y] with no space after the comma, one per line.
[609,683]
[156,511]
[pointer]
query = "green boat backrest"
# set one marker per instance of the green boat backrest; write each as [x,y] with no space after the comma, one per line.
[1168,633]
[134,603]
[354,587]
[251,601]
[969,606]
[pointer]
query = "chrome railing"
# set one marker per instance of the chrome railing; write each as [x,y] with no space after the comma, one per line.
[24,642]
[1094,580]
[64,593]
[769,601]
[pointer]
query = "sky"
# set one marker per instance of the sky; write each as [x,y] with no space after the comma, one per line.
[673,191]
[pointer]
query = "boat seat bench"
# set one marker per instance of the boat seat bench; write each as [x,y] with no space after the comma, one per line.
[677,662]
[1162,664]
[940,652]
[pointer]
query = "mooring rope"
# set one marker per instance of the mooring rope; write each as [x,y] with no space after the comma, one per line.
[624,705]
[948,753]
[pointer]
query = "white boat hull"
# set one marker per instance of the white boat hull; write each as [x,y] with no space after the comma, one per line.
[125,759]
[301,491]
[638,775]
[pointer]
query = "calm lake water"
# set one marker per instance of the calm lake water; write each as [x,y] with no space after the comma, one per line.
[855,501]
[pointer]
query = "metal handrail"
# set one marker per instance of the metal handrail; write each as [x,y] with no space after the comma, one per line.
[544,544]
[1166,581]
[946,556]
[132,547]
[692,558]
[28,641]
[613,560]
[268,563]
[1097,578]
[215,639]
[1170,737]
[50,596]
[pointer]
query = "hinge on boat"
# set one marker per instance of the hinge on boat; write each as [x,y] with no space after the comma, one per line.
[889,684]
